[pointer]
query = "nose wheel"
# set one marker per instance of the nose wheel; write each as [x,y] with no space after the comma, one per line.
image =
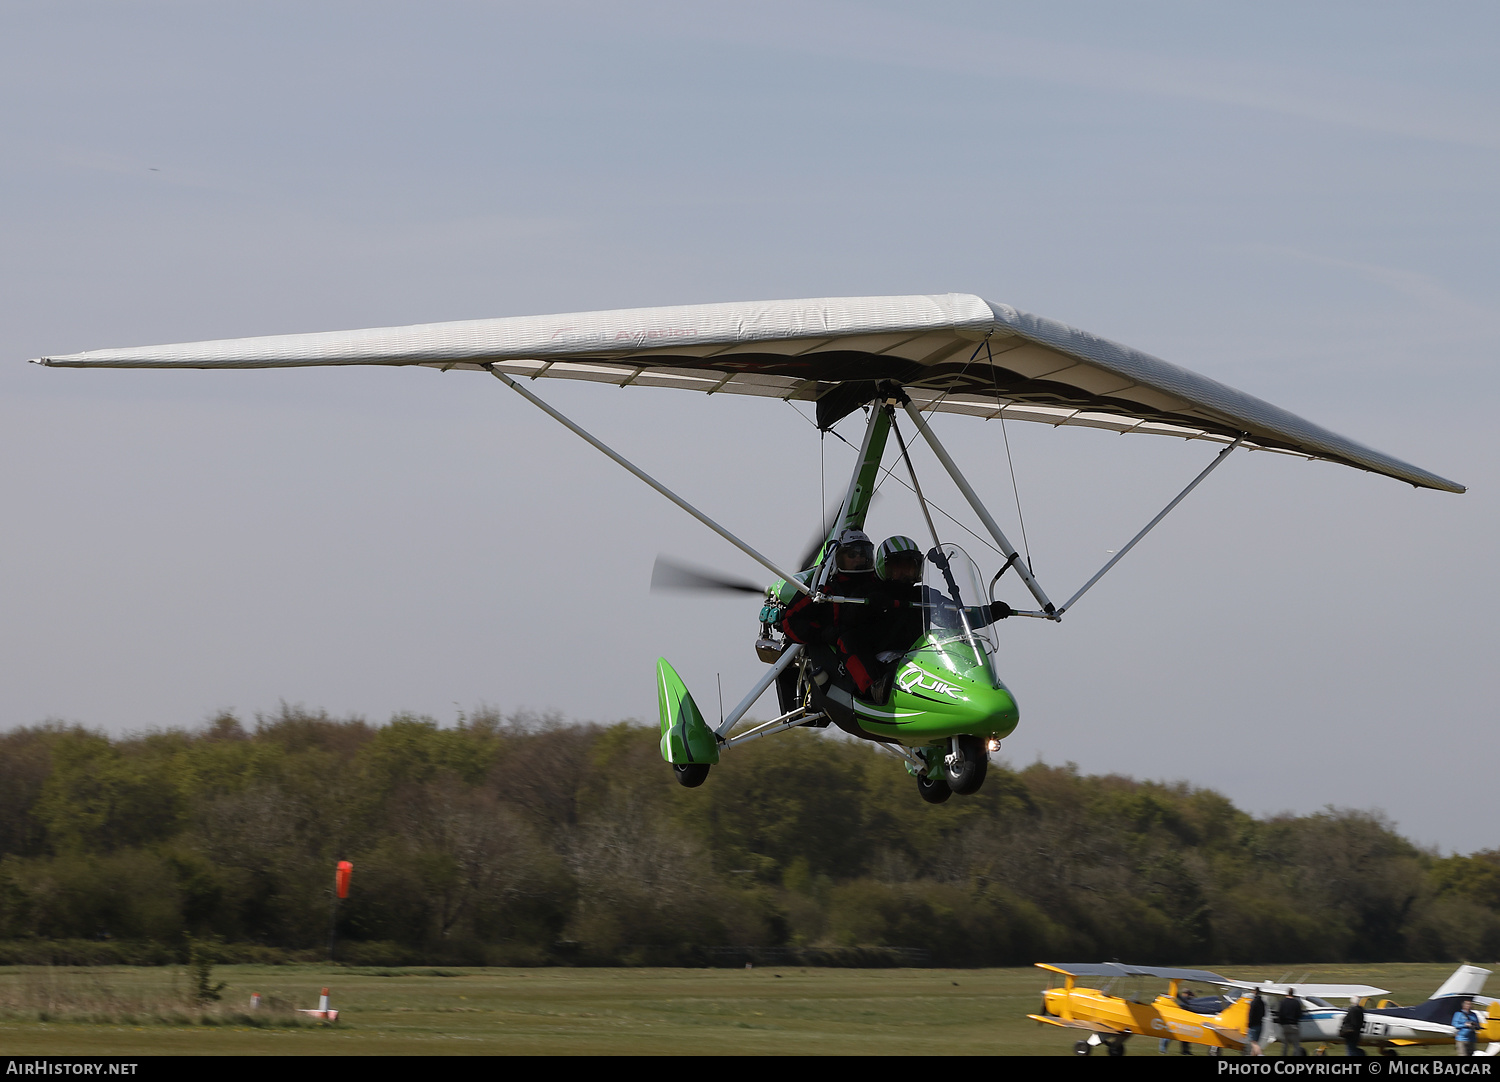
[966,764]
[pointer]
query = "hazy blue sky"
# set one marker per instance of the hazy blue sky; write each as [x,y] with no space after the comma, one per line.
[1299,200]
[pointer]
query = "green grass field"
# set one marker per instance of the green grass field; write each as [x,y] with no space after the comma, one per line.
[764,1011]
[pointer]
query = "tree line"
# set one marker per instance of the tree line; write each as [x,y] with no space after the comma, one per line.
[525,840]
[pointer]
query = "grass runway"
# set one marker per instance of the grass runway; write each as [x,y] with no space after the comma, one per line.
[119,1011]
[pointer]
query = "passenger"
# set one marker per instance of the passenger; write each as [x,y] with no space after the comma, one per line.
[836,634]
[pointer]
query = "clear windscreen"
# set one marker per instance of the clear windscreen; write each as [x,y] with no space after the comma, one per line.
[954,596]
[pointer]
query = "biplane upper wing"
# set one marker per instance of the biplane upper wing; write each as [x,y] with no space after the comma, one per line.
[955,353]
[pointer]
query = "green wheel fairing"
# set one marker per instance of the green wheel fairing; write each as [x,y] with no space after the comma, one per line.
[685,736]
[942,690]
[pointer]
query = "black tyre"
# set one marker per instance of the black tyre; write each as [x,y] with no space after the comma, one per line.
[967,775]
[933,790]
[1082,1048]
[690,775]
[1116,1048]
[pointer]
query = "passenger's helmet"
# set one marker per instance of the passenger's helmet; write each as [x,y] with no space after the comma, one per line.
[856,552]
[899,559]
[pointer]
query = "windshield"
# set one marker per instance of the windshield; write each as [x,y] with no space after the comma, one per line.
[953,594]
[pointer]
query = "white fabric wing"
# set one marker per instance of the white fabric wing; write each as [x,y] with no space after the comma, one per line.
[954,353]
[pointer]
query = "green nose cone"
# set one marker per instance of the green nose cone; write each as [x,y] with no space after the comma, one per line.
[940,693]
[1001,714]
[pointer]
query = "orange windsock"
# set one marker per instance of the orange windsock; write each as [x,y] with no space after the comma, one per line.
[341,878]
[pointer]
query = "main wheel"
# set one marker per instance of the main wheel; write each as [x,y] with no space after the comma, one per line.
[967,775]
[1117,1047]
[1082,1048]
[933,790]
[690,775]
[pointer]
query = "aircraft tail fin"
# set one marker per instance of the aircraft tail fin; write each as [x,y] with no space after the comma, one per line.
[1466,981]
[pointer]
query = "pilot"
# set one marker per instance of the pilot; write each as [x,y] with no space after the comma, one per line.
[835,633]
[899,565]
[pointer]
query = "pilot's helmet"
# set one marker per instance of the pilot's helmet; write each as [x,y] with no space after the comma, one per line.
[899,560]
[856,552]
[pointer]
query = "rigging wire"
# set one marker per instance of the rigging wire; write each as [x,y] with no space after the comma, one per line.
[887,472]
[938,401]
[1015,488]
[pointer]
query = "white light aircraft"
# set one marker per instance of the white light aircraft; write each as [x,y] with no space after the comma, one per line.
[1390,1027]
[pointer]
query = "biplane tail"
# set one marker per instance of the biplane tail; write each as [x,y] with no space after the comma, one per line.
[686,738]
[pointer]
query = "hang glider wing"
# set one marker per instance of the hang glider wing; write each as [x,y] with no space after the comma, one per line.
[954,353]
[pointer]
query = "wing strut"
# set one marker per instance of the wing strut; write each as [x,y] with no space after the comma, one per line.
[789,655]
[789,576]
[984,515]
[1220,457]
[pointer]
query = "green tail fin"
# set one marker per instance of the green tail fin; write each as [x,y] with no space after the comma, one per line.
[685,736]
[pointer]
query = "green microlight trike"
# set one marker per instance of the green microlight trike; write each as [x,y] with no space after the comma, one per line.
[944,707]
[926,354]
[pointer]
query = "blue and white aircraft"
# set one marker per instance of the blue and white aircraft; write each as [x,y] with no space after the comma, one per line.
[1389,1027]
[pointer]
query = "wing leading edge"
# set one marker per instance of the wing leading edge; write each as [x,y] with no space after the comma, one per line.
[954,353]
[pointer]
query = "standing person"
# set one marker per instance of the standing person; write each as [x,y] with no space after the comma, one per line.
[1255,1023]
[1352,1026]
[1465,1027]
[1289,1018]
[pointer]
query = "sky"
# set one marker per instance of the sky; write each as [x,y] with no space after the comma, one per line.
[1297,200]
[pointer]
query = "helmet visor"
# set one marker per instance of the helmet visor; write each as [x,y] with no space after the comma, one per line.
[856,556]
[903,567]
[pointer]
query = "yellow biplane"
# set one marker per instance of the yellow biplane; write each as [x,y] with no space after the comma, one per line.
[1128,1001]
